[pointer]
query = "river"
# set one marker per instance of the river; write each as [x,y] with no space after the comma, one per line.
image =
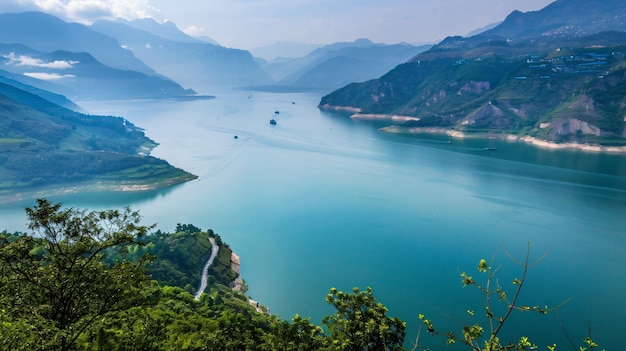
[320,201]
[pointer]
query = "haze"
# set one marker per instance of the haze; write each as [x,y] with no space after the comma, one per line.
[252,24]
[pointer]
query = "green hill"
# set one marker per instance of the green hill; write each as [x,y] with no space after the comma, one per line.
[46,147]
[182,254]
[553,91]
[558,74]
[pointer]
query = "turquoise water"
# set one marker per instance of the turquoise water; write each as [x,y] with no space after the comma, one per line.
[321,201]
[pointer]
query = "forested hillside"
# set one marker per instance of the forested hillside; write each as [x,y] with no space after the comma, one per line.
[46,146]
[558,74]
[500,88]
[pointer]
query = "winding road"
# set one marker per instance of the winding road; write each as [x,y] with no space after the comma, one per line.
[205,270]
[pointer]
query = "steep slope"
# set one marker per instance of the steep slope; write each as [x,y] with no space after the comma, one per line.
[47,33]
[167,30]
[80,76]
[48,148]
[564,18]
[554,87]
[193,63]
[5,77]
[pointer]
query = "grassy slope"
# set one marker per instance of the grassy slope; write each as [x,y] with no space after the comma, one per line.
[46,147]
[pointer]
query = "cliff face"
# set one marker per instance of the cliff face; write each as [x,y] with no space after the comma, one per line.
[235,266]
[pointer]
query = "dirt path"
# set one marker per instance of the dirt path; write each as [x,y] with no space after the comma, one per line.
[205,270]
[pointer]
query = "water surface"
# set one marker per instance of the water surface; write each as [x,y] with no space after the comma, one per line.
[320,201]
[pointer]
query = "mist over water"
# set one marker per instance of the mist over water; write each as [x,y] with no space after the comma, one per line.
[320,201]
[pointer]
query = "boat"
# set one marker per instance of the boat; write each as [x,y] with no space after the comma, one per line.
[490,148]
[273,122]
[276,112]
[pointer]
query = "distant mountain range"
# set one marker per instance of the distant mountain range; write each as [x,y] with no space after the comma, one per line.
[80,76]
[558,74]
[192,62]
[47,33]
[145,59]
[70,59]
[283,50]
[45,63]
[335,65]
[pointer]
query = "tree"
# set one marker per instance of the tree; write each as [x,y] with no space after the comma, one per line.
[486,336]
[361,323]
[56,283]
[299,335]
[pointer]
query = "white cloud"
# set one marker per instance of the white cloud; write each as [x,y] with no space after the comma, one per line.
[47,76]
[194,30]
[23,60]
[89,11]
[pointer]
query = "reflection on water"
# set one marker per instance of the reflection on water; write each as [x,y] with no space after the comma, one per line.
[319,200]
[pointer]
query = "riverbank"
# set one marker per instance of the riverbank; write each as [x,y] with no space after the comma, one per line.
[506,137]
[356,114]
[8,196]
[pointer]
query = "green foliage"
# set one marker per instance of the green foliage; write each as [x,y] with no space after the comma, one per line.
[361,323]
[485,335]
[470,85]
[46,144]
[221,269]
[299,335]
[181,256]
[56,282]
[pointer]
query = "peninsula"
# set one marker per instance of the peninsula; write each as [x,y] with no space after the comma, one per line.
[48,149]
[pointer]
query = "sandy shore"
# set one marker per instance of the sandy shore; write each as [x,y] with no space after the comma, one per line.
[374,116]
[93,186]
[340,108]
[508,137]
[356,114]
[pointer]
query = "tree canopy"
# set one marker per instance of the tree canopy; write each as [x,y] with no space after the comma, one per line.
[56,280]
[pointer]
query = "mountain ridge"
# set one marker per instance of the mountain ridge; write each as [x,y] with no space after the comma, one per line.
[526,84]
[193,63]
[340,63]
[51,33]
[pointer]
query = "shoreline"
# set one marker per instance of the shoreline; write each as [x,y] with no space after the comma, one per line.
[382,117]
[545,144]
[94,186]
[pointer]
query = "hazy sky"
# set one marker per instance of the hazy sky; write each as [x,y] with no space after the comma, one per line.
[249,24]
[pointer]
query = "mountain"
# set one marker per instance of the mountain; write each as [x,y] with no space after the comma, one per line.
[526,80]
[167,30]
[483,29]
[47,33]
[47,148]
[191,62]
[283,50]
[564,18]
[341,63]
[80,76]
[5,77]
